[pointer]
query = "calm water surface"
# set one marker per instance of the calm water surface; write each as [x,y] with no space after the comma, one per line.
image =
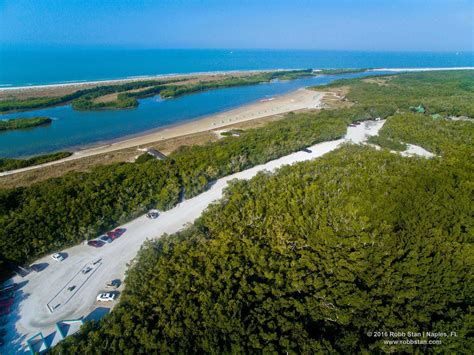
[76,129]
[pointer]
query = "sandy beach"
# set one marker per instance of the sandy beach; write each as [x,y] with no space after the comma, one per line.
[421,69]
[297,100]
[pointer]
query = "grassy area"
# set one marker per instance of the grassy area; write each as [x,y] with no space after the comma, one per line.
[449,93]
[22,123]
[7,164]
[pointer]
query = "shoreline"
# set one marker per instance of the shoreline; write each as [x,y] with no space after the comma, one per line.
[10,87]
[421,69]
[300,99]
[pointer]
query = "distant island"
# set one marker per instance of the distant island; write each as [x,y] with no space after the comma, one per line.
[22,123]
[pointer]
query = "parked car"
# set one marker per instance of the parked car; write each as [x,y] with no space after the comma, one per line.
[152,214]
[106,239]
[112,235]
[114,284]
[120,231]
[306,150]
[57,257]
[86,270]
[95,243]
[106,297]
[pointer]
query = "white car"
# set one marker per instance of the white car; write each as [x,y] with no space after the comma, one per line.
[152,214]
[57,257]
[106,297]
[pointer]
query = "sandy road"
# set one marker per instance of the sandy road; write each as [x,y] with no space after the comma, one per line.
[42,288]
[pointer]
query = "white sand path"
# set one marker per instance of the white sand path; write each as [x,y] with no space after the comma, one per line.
[415,150]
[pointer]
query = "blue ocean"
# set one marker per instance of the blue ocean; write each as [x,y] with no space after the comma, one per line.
[73,130]
[21,66]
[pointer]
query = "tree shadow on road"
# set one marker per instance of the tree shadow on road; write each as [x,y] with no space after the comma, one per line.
[97,314]
[13,340]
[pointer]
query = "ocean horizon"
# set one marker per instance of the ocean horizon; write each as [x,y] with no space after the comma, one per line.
[29,66]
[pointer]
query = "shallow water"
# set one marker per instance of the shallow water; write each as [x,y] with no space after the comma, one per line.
[75,129]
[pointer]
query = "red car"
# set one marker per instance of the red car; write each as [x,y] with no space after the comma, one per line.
[120,231]
[116,233]
[112,235]
[95,243]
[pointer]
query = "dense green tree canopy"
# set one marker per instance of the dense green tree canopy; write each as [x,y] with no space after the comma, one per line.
[307,260]
[63,211]
[449,93]
[441,137]
[312,258]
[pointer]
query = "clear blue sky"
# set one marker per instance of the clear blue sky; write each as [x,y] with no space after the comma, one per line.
[399,25]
